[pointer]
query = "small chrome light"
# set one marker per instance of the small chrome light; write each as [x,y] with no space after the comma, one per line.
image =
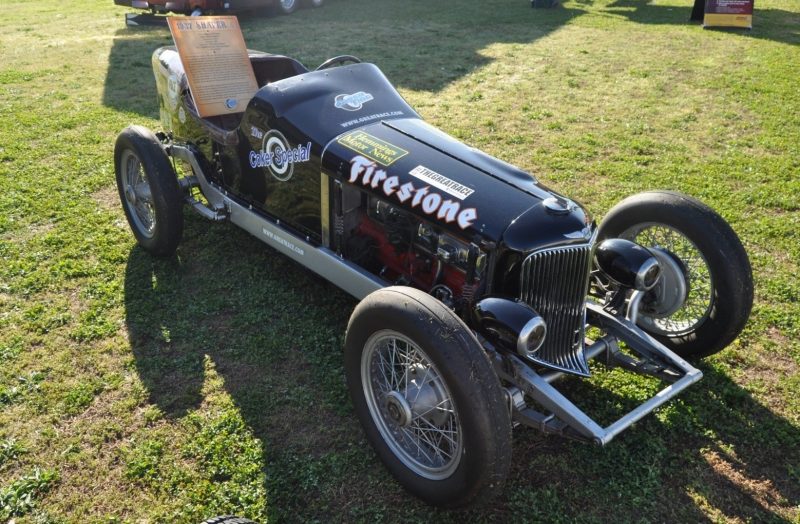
[531,337]
[628,264]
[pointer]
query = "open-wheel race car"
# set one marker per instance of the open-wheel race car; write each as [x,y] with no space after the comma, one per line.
[478,286]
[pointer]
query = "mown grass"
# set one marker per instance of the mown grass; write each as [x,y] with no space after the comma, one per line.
[135,389]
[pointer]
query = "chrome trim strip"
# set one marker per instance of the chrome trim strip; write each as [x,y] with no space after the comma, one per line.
[325,208]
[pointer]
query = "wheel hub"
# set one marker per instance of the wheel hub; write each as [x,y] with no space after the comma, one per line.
[137,194]
[398,409]
[130,195]
[426,399]
[669,295]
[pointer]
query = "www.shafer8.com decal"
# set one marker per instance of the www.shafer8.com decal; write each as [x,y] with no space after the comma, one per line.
[277,157]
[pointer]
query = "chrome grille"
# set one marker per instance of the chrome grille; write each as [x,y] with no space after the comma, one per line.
[554,282]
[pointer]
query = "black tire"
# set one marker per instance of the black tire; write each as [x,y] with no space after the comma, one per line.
[155,218]
[655,219]
[470,465]
[228,519]
[286,7]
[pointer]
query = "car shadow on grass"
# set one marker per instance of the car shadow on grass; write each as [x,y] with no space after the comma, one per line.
[714,453]
[273,331]
[419,45]
[130,85]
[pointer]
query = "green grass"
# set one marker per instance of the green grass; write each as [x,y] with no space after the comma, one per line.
[142,390]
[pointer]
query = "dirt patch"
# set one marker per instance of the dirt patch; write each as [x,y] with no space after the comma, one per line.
[772,366]
[220,321]
[108,198]
[22,236]
[776,336]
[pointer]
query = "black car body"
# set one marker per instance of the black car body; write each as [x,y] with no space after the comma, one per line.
[478,282]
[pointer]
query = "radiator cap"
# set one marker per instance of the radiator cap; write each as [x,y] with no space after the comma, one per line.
[557,206]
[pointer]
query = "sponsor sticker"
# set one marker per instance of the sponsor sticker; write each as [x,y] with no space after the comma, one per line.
[256,132]
[278,157]
[369,118]
[451,187]
[352,102]
[372,147]
[364,171]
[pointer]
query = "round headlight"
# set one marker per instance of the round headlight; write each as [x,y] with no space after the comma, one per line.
[531,337]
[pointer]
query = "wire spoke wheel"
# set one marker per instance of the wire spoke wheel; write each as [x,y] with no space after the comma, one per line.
[428,397]
[696,272]
[411,405]
[148,190]
[704,295]
[137,192]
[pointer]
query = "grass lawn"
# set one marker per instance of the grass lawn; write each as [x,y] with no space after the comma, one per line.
[142,390]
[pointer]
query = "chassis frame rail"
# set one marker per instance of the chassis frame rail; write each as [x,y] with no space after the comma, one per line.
[564,416]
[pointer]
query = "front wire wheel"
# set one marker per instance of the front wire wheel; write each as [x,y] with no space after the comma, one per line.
[705,293]
[428,397]
[411,405]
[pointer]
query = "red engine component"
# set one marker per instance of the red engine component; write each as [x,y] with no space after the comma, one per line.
[420,269]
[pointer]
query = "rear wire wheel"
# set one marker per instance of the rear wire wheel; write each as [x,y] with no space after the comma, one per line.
[149,191]
[705,293]
[427,397]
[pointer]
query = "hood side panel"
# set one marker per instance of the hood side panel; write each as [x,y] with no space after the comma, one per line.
[417,177]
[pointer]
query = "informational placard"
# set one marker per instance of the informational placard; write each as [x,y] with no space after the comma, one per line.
[729,13]
[215,59]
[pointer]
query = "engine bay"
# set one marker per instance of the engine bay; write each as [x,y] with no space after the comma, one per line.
[400,248]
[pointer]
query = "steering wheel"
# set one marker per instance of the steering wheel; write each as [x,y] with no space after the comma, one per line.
[337,60]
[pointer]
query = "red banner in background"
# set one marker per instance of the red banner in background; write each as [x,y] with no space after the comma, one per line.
[729,13]
[729,7]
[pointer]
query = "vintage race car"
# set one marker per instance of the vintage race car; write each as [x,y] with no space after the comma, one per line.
[478,286]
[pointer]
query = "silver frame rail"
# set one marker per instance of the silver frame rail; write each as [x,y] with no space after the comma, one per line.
[565,417]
